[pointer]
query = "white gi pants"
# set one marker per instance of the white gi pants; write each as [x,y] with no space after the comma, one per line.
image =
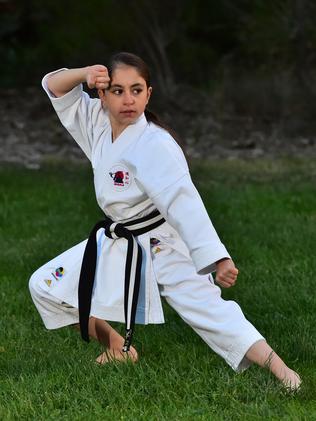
[221,324]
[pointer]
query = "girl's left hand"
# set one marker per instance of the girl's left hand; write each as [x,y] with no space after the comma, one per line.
[226,273]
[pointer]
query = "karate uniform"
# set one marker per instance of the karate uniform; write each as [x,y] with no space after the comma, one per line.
[143,170]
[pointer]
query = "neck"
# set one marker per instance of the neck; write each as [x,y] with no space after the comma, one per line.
[116,129]
[116,132]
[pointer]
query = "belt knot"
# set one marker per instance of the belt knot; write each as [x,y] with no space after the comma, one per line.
[115,230]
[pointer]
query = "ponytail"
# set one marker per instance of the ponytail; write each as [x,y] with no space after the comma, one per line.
[154,118]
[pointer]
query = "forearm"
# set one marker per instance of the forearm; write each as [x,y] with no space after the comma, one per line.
[62,82]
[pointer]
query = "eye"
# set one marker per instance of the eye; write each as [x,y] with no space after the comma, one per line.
[137,91]
[117,91]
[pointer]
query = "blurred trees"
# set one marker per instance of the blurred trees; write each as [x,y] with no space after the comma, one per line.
[257,56]
[195,37]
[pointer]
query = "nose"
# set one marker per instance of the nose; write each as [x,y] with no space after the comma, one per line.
[128,98]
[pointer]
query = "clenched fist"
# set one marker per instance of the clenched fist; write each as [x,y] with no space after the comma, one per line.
[226,273]
[97,77]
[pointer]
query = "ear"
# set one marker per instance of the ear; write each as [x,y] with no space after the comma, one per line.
[101,93]
[149,91]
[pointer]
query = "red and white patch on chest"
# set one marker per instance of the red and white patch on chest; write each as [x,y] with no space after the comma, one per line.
[120,176]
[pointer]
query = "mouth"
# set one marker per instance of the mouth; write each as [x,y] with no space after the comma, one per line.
[128,113]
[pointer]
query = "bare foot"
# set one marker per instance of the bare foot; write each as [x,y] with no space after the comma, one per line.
[261,353]
[291,380]
[113,355]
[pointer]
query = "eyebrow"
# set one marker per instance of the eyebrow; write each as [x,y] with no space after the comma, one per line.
[116,85]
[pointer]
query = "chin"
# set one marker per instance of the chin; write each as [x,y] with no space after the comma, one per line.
[130,120]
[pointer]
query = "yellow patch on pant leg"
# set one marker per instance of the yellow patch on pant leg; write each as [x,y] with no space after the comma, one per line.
[156,249]
[48,282]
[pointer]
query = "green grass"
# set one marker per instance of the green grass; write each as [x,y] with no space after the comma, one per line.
[264,211]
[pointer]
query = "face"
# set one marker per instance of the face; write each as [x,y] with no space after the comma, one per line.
[127,96]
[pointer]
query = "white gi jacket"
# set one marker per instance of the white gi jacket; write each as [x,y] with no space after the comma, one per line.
[144,169]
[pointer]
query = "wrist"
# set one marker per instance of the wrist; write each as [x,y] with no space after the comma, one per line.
[222,260]
[85,74]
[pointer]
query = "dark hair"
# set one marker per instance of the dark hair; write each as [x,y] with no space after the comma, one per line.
[138,63]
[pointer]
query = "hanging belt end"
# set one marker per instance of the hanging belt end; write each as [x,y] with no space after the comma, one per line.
[128,340]
[84,330]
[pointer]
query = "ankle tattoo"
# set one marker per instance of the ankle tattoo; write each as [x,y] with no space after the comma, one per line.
[268,361]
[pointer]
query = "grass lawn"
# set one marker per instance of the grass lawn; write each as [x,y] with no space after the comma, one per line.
[265,213]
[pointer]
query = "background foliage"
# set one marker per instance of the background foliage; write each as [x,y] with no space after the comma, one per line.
[252,59]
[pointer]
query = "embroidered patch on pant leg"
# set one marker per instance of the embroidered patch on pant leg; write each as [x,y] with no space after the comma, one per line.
[48,282]
[154,241]
[154,245]
[58,273]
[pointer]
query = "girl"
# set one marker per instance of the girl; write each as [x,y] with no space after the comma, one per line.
[156,238]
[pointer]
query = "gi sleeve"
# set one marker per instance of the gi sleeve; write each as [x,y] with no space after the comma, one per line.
[164,175]
[78,113]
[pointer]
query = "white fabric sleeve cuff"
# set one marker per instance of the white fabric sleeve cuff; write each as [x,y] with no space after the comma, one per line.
[65,101]
[205,258]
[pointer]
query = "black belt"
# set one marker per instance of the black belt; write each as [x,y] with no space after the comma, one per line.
[114,230]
